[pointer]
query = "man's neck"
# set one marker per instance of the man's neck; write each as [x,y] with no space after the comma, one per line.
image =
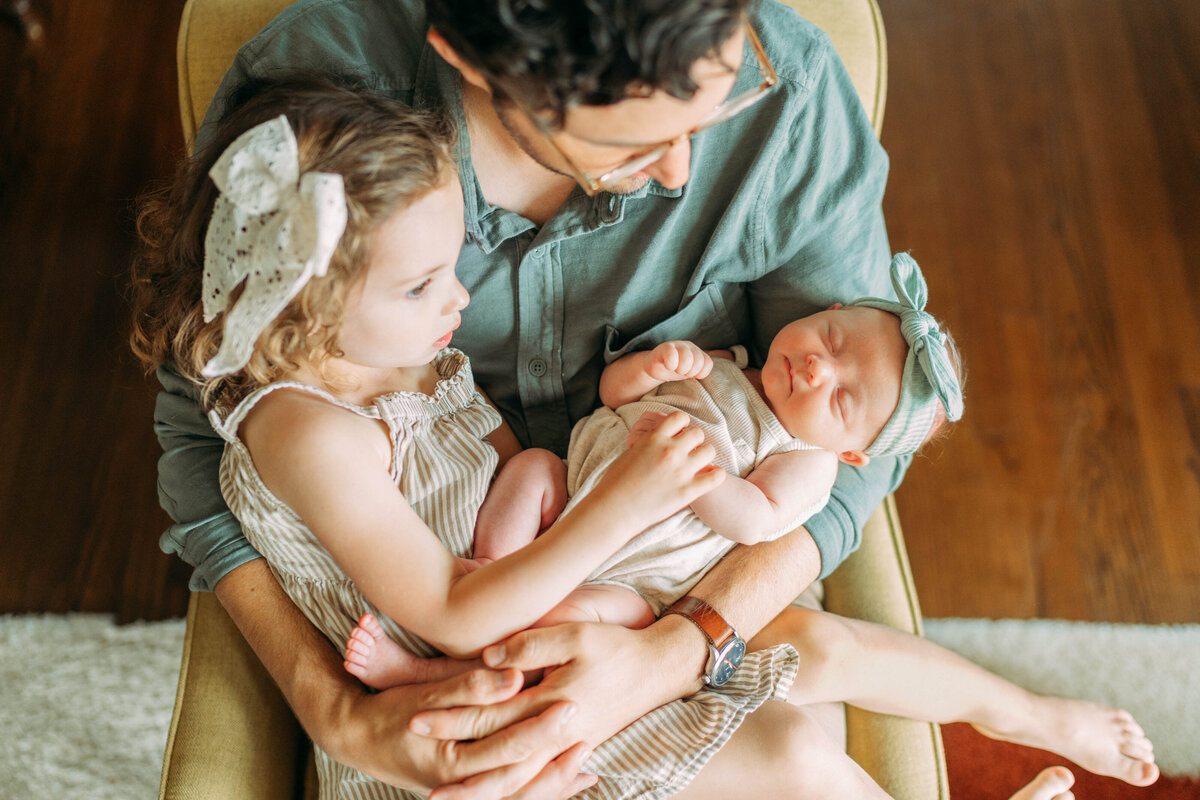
[508,176]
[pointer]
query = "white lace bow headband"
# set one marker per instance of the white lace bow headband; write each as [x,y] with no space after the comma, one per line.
[270,228]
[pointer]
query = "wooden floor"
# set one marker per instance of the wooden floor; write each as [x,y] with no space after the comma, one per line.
[1045,172]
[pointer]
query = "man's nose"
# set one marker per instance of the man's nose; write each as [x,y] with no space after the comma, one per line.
[674,168]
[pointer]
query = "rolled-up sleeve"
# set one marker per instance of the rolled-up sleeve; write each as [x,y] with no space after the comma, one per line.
[837,528]
[205,535]
[825,241]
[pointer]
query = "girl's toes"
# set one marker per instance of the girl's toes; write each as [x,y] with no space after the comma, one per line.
[369,624]
[359,647]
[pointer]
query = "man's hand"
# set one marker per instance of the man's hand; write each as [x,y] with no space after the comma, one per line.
[587,665]
[521,757]
[519,749]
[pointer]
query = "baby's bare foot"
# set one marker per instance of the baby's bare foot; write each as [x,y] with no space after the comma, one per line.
[377,661]
[1052,783]
[1103,740]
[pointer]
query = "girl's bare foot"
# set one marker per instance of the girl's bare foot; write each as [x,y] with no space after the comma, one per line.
[1052,783]
[377,661]
[1103,740]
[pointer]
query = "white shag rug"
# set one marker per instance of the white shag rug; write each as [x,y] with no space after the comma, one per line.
[85,704]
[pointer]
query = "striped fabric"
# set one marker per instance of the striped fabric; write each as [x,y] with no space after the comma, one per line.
[443,466]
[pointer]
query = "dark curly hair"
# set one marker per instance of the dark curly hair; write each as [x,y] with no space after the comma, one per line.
[550,55]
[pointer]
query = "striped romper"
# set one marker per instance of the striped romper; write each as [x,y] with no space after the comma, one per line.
[443,465]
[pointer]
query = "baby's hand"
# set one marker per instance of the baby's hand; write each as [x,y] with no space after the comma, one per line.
[647,422]
[667,468]
[679,360]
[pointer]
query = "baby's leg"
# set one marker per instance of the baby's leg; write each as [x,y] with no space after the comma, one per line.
[609,603]
[377,661]
[779,751]
[884,670]
[525,499]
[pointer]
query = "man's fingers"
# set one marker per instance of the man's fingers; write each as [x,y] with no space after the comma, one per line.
[477,687]
[476,721]
[560,779]
[504,762]
[536,648]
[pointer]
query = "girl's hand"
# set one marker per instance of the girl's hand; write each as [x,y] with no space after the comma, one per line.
[645,424]
[667,468]
[679,360]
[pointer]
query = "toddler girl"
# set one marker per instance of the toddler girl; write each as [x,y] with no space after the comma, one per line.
[873,377]
[301,272]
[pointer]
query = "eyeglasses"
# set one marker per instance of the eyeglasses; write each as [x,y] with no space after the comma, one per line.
[639,161]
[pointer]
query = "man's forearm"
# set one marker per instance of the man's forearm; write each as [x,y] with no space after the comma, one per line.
[298,657]
[752,584]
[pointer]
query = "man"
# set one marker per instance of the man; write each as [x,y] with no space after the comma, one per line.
[632,172]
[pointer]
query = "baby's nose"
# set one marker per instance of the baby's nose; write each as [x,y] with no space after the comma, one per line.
[818,370]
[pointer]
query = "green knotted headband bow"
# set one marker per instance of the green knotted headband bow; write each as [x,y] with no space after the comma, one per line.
[929,376]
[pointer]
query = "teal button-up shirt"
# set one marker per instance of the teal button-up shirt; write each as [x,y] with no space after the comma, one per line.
[781,218]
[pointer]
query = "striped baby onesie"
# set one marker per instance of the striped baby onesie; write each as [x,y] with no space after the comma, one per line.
[443,465]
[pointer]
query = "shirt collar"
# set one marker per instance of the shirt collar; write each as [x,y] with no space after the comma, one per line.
[439,84]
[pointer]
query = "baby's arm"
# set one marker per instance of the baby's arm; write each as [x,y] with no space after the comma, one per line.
[631,376]
[331,469]
[768,500]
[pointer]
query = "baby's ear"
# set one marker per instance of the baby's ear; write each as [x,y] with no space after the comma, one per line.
[835,306]
[855,458]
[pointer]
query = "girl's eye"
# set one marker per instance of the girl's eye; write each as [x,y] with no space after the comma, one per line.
[417,291]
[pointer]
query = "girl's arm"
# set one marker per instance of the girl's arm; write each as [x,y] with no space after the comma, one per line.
[769,499]
[330,468]
[502,439]
[631,376]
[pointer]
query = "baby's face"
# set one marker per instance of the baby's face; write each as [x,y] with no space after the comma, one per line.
[833,378]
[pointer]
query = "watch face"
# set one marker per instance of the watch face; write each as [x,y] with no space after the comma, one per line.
[728,661]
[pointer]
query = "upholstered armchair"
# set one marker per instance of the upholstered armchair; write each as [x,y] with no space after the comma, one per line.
[233,737]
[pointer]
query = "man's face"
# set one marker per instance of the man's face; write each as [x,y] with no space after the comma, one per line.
[598,138]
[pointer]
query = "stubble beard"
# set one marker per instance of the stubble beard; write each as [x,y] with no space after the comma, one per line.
[504,113]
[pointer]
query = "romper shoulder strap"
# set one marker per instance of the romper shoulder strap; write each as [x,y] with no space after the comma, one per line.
[228,426]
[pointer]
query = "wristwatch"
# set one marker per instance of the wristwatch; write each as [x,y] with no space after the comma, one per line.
[725,648]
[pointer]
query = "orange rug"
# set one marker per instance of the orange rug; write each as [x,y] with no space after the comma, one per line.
[980,768]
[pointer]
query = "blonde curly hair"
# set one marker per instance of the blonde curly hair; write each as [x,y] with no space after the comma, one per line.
[389,156]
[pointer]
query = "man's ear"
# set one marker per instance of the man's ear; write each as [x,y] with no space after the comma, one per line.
[451,57]
[855,458]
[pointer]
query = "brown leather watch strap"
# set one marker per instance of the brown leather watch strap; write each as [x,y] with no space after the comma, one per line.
[711,623]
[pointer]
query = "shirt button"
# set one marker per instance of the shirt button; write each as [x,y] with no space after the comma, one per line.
[537,367]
